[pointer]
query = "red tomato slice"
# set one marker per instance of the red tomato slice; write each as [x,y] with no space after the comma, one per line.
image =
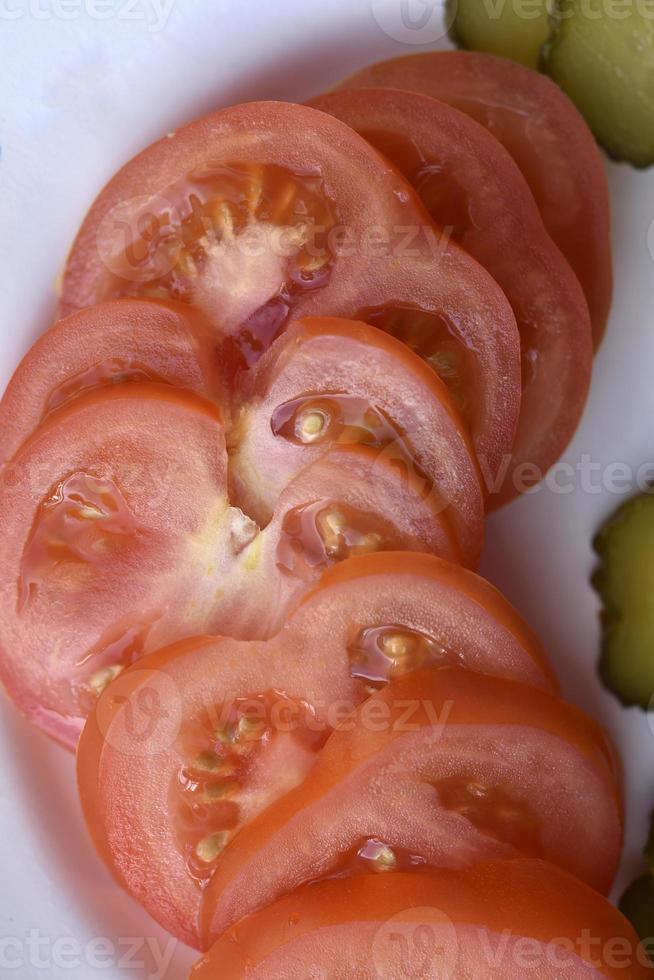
[119,538]
[227,742]
[241,214]
[507,920]
[329,381]
[469,183]
[445,768]
[348,502]
[545,135]
[128,340]
[454,315]
[108,514]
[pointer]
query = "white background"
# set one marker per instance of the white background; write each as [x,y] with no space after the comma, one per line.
[79,96]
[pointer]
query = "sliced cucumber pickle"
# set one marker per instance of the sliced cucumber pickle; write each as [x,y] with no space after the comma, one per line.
[601,53]
[624,580]
[514,29]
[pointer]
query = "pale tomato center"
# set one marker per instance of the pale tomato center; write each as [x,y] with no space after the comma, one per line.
[324,533]
[240,241]
[237,759]
[337,419]
[84,519]
[381,654]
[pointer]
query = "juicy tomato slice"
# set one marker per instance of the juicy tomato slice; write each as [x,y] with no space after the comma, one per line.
[242,214]
[329,381]
[545,135]
[444,768]
[470,184]
[109,544]
[451,312]
[346,503]
[238,724]
[108,344]
[500,919]
[118,504]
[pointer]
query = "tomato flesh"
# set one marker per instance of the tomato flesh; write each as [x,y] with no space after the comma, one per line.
[471,186]
[239,227]
[543,132]
[504,920]
[447,765]
[329,381]
[109,344]
[249,717]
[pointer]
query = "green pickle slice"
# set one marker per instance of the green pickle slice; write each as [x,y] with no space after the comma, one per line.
[514,29]
[624,579]
[601,53]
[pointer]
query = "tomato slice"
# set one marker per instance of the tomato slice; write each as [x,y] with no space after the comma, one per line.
[108,514]
[108,344]
[329,381]
[201,774]
[504,920]
[241,214]
[119,537]
[469,183]
[445,768]
[346,503]
[545,135]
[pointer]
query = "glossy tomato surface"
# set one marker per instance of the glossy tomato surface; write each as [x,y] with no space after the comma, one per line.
[328,381]
[450,311]
[108,344]
[240,723]
[471,186]
[546,136]
[499,921]
[242,213]
[109,514]
[444,768]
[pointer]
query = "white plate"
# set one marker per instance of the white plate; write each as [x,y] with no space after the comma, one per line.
[80,96]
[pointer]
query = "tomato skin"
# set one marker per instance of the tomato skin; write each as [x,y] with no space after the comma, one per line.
[496,220]
[309,661]
[322,359]
[144,338]
[303,836]
[527,900]
[543,132]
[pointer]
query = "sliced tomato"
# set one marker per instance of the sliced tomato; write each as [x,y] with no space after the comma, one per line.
[241,214]
[445,768]
[239,724]
[109,515]
[454,315]
[119,538]
[328,381]
[348,502]
[306,217]
[545,135]
[128,340]
[507,920]
[471,185]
